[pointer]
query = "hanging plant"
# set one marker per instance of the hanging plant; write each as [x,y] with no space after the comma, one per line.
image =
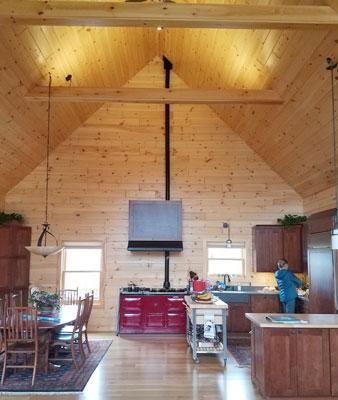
[5,218]
[289,220]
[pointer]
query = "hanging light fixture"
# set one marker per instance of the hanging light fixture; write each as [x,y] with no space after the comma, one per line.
[42,249]
[229,241]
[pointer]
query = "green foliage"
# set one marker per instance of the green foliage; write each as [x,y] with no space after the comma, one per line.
[10,217]
[44,299]
[289,220]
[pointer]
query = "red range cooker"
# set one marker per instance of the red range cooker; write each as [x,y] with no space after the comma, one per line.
[145,310]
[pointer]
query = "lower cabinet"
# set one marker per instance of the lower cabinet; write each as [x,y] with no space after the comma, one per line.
[236,320]
[303,358]
[152,314]
[265,304]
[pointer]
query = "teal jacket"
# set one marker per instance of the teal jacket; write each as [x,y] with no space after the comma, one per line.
[287,283]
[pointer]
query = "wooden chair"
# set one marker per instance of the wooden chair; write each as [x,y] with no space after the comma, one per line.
[86,319]
[70,340]
[68,329]
[21,337]
[69,296]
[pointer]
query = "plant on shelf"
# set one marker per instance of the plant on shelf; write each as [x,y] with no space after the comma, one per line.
[44,300]
[5,218]
[289,220]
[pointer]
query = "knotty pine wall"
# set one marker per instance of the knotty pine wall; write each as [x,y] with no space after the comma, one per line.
[118,155]
[321,201]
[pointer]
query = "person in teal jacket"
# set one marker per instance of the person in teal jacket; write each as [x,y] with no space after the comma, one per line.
[287,283]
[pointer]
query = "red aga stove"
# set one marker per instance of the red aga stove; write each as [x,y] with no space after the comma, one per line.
[146,310]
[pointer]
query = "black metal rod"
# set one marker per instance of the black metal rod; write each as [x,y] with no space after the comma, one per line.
[167,151]
[167,66]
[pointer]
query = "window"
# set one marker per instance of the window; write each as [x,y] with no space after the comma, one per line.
[224,260]
[82,268]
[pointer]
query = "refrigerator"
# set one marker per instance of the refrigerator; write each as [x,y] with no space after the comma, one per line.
[322,264]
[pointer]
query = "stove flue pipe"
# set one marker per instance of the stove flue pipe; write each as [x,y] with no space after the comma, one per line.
[168,67]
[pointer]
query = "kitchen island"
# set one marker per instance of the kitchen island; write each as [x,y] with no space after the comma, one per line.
[295,360]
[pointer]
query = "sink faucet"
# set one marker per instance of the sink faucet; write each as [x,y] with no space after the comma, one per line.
[225,277]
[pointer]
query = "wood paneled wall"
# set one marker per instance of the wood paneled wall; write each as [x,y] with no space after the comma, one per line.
[118,155]
[321,201]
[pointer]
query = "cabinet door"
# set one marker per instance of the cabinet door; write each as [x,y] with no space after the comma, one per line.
[20,237]
[280,362]
[237,320]
[20,273]
[265,304]
[334,361]
[267,247]
[292,245]
[6,272]
[313,362]
[130,322]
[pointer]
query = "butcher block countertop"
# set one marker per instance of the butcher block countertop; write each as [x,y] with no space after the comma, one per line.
[314,321]
[219,304]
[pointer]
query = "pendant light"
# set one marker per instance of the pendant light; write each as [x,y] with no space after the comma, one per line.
[41,248]
[229,241]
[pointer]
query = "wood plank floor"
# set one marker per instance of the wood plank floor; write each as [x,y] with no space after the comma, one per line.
[160,367]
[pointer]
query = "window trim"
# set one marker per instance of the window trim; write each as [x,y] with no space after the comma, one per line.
[92,244]
[222,244]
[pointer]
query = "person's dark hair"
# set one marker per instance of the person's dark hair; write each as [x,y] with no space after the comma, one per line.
[193,276]
[281,263]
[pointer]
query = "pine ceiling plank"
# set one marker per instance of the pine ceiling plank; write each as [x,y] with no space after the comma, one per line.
[221,16]
[157,95]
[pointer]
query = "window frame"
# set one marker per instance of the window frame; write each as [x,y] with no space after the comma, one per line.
[222,244]
[98,244]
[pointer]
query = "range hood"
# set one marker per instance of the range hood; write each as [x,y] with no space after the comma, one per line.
[155,225]
[155,245]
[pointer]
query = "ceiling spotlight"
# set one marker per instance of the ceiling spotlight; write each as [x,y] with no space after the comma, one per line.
[160,28]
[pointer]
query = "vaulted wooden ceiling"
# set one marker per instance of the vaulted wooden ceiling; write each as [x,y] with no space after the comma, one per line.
[295,139]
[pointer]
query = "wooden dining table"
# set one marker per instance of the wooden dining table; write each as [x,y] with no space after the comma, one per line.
[65,316]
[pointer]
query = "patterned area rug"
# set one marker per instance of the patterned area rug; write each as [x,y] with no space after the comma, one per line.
[64,379]
[240,349]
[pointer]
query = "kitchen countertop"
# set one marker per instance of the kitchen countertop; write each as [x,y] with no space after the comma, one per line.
[219,304]
[248,292]
[314,321]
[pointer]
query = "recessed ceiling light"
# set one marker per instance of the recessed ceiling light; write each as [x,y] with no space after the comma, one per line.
[160,28]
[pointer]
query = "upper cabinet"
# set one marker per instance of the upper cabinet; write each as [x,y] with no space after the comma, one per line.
[273,242]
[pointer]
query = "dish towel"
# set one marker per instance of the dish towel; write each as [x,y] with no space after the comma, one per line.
[209,326]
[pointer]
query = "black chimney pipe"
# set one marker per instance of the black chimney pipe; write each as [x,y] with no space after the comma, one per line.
[167,66]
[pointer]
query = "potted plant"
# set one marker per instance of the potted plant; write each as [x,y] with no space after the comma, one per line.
[290,219]
[9,218]
[45,302]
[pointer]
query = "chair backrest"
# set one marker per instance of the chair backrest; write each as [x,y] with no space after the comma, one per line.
[89,307]
[81,312]
[69,296]
[21,324]
[14,299]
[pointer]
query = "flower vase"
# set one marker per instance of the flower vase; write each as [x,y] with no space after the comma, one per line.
[46,310]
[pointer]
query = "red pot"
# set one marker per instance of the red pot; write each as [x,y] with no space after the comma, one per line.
[199,286]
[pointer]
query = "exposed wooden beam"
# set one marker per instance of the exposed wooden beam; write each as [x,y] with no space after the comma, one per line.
[159,96]
[184,15]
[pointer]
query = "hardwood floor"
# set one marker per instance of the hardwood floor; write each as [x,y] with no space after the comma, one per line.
[160,367]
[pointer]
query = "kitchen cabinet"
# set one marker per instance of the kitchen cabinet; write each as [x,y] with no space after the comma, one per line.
[334,361]
[152,314]
[236,320]
[302,306]
[273,242]
[302,356]
[265,304]
[15,259]
[313,362]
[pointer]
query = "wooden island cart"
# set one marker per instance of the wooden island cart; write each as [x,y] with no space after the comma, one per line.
[195,316]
